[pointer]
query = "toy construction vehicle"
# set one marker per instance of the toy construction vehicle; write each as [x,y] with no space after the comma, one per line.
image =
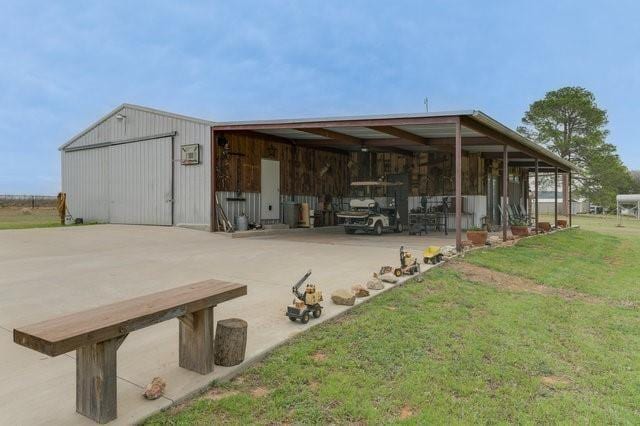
[432,254]
[306,303]
[408,264]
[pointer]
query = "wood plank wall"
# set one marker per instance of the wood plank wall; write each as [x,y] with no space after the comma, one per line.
[301,169]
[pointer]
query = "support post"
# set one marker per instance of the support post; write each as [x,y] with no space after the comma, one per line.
[555,197]
[570,199]
[96,380]
[505,192]
[458,163]
[196,341]
[214,219]
[536,194]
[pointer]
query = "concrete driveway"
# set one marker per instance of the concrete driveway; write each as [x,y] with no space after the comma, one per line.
[50,272]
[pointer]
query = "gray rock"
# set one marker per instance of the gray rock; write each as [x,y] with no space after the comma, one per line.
[155,389]
[359,290]
[389,278]
[343,297]
[375,283]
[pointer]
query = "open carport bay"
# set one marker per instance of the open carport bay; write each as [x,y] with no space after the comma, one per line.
[51,272]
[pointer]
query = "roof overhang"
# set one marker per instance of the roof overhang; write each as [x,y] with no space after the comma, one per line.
[406,134]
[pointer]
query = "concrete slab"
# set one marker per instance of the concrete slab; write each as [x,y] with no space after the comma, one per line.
[50,272]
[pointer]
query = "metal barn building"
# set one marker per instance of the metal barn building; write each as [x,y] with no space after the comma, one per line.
[126,168]
[138,165]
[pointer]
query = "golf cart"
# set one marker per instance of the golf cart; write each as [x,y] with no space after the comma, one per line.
[371,210]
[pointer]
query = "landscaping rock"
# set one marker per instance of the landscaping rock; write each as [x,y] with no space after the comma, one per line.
[343,297]
[494,240]
[375,283]
[155,389]
[448,251]
[389,278]
[359,290]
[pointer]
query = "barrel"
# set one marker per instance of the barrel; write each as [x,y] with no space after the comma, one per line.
[242,223]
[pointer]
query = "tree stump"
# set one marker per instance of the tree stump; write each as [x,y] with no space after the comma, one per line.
[230,342]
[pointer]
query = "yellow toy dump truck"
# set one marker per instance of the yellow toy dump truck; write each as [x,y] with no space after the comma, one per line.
[306,303]
[432,254]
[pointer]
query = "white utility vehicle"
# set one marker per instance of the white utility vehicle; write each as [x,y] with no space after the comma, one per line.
[371,209]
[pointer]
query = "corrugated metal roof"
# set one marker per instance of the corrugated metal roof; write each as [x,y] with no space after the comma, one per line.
[424,130]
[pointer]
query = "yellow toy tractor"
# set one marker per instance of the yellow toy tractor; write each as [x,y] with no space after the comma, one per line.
[432,254]
[306,303]
[408,264]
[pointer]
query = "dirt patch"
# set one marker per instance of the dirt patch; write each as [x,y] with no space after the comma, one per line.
[406,412]
[555,381]
[514,283]
[319,357]
[215,394]
[259,392]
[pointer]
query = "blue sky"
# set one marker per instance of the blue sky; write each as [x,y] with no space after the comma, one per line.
[65,64]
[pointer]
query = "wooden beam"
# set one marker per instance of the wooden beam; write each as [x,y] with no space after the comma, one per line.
[400,133]
[330,134]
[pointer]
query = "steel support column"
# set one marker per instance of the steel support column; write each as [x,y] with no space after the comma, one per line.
[214,219]
[555,197]
[505,192]
[458,162]
[536,191]
[570,201]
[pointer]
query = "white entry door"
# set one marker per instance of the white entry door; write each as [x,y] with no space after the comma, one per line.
[270,189]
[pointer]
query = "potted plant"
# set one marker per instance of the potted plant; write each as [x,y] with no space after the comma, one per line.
[477,236]
[519,227]
[544,226]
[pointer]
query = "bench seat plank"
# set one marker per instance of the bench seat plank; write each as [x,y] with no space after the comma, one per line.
[60,335]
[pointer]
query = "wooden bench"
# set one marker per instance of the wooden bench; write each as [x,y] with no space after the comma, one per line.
[96,335]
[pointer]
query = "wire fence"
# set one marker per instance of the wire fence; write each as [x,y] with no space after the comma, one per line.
[32,201]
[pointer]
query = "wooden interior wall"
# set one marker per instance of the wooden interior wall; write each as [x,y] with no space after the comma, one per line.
[307,171]
[430,173]
[303,171]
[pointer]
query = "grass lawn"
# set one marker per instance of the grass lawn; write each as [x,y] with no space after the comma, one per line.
[452,350]
[19,218]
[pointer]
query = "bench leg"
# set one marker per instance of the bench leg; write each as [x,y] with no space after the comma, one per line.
[196,341]
[96,380]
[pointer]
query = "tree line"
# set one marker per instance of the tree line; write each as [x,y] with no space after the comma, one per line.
[569,123]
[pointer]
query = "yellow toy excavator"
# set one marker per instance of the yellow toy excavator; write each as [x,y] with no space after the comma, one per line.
[408,264]
[306,303]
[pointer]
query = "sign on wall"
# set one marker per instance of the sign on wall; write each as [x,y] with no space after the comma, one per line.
[190,154]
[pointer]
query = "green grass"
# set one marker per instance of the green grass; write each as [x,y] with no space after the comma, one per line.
[25,218]
[586,261]
[451,351]
[18,218]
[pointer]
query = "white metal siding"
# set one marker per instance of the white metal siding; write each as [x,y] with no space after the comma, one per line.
[140,182]
[85,179]
[192,204]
